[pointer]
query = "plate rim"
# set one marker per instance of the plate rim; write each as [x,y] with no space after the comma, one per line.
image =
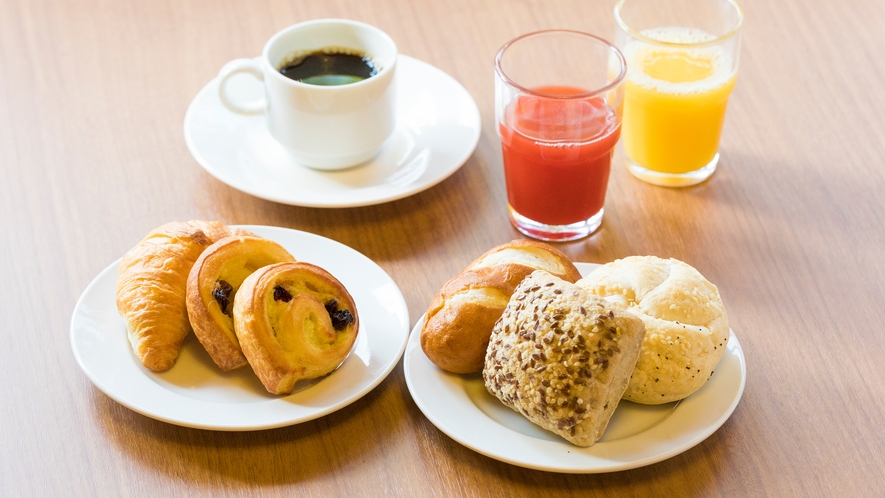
[697,438]
[345,401]
[408,192]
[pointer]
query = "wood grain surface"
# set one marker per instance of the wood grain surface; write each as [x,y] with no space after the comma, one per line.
[790,228]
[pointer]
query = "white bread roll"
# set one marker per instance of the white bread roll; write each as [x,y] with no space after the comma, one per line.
[460,318]
[685,322]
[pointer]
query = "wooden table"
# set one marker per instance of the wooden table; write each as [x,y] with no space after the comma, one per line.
[92,157]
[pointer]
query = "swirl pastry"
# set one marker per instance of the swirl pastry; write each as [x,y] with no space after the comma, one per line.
[152,284]
[685,322]
[461,316]
[212,285]
[294,321]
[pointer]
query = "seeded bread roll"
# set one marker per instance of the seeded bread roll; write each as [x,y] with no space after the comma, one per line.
[685,321]
[461,316]
[562,357]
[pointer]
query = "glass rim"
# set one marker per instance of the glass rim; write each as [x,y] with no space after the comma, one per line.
[611,47]
[719,39]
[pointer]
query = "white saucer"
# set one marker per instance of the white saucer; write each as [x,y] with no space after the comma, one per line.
[438,129]
[195,393]
[637,435]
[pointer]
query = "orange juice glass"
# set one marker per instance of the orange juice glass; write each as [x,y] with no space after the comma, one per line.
[682,61]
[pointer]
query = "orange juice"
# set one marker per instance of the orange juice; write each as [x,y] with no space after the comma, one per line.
[675,100]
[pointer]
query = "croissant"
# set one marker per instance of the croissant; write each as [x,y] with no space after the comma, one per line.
[294,321]
[212,286]
[461,315]
[152,283]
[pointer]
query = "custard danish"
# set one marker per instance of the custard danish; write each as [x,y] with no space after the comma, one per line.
[212,285]
[294,321]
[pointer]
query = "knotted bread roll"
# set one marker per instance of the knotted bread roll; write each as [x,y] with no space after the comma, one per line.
[461,316]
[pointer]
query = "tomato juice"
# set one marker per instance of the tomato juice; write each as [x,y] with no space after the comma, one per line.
[557,153]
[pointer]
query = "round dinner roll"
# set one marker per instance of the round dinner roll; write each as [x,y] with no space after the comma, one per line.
[686,328]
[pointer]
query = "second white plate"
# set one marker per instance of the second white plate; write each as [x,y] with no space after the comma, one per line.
[195,393]
[438,129]
[637,435]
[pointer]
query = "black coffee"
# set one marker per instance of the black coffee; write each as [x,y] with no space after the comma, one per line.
[329,67]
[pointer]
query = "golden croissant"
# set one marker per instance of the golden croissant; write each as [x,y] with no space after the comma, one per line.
[152,285]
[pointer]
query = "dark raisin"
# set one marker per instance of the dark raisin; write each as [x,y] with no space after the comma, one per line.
[281,294]
[222,293]
[331,306]
[341,319]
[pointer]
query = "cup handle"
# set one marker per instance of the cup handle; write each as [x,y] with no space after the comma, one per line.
[237,66]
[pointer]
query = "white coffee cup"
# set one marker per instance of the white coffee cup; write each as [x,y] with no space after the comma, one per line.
[322,127]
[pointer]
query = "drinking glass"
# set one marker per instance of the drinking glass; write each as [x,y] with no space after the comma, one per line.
[682,58]
[558,106]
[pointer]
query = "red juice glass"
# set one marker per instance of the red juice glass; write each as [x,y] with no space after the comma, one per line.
[558,104]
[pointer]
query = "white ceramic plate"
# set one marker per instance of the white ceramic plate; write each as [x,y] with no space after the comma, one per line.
[637,435]
[195,393]
[438,129]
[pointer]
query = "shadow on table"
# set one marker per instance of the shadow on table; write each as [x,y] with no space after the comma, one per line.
[412,227]
[697,472]
[755,228]
[217,459]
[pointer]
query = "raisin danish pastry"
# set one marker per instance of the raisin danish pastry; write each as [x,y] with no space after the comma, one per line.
[152,284]
[461,316]
[562,357]
[211,286]
[294,321]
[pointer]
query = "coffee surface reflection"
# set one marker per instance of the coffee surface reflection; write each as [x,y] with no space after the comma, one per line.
[330,67]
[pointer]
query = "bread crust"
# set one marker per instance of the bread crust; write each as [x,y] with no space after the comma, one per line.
[222,267]
[461,315]
[285,328]
[152,286]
